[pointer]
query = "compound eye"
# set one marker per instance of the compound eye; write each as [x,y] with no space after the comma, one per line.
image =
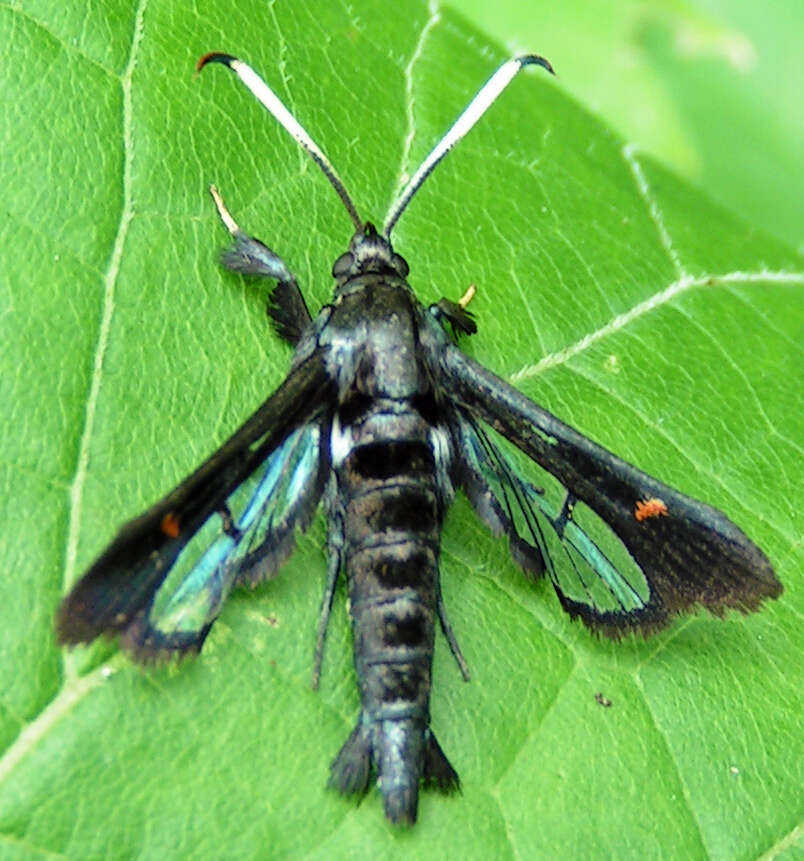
[401,265]
[343,265]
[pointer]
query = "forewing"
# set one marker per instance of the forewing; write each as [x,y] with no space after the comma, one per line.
[252,538]
[688,552]
[125,579]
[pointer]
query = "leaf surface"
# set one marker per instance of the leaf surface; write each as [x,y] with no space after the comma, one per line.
[609,291]
[712,87]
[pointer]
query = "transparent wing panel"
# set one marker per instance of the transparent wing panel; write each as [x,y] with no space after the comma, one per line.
[259,521]
[590,568]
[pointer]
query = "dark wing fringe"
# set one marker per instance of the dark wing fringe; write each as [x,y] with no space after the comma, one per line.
[693,555]
[124,579]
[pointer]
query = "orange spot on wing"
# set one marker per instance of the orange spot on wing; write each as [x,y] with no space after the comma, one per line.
[170,525]
[646,508]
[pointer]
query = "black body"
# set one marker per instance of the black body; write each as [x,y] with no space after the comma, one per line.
[381,415]
[398,398]
[391,459]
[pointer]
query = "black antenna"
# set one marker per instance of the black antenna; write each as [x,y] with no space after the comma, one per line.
[269,100]
[483,100]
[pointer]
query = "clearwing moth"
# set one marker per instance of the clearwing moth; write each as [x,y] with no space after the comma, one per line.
[381,418]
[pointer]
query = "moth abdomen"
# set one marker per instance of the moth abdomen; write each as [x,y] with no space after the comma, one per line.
[392,503]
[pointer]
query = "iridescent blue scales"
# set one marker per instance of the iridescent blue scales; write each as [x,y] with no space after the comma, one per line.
[550,529]
[383,418]
[254,534]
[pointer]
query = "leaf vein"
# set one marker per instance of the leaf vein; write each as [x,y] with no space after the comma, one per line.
[659,299]
[69,695]
[432,20]
[68,46]
[110,284]
[628,152]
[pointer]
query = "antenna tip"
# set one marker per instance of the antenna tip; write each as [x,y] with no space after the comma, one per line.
[535,60]
[215,57]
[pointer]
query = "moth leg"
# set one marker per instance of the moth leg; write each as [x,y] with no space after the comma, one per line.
[449,633]
[286,306]
[455,314]
[248,254]
[334,546]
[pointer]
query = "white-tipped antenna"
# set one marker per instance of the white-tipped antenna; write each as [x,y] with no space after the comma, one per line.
[270,102]
[472,113]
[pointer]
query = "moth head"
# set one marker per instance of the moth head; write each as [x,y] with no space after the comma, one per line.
[369,251]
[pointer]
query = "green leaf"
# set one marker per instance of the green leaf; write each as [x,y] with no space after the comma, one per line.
[712,87]
[609,291]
